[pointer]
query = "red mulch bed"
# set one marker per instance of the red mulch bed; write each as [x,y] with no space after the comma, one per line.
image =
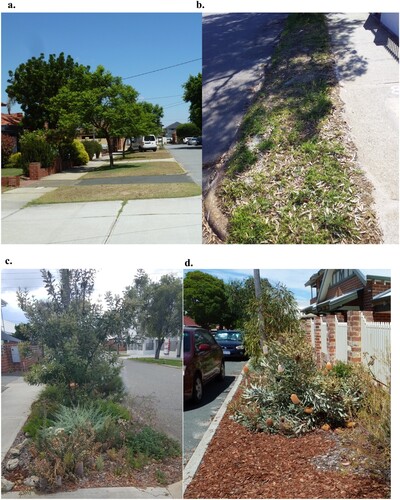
[240,464]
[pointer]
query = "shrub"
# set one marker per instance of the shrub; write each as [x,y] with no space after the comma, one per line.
[152,444]
[7,147]
[79,154]
[289,395]
[35,147]
[15,161]
[92,148]
[43,410]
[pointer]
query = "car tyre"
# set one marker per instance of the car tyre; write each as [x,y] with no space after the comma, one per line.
[221,374]
[197,389]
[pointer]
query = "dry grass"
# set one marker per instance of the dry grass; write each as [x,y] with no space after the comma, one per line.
[74,194]
[137,169]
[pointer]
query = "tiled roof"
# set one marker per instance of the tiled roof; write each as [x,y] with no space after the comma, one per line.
[11,119]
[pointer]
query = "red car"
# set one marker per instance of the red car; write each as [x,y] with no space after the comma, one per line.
[203,361]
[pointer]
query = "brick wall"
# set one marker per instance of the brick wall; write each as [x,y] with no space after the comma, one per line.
[7,364]
[36,171]
[344,287]
[373,288]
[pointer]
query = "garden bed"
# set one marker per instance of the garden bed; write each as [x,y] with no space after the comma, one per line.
[111,470]
[242,464]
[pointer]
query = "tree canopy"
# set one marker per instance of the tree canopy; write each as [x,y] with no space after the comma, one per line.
[34,83]
[205,298]
[193,94]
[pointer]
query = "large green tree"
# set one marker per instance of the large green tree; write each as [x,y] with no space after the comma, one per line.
[72,330]
[34,83]
[102,101]
[159,307]
[205,298]
[193,94]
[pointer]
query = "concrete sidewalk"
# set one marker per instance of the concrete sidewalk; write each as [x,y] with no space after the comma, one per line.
[368,74]
[172,491]
[16,402]
[167,220]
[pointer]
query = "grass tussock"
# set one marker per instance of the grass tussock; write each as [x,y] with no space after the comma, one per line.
[292,177]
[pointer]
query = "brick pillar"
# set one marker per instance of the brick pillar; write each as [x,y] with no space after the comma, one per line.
[331,326]
[368,315]
[317,336]
[354,336]
[34,171]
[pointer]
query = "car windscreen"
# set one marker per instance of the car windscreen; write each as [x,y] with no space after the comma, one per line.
[228,336]
[149,138]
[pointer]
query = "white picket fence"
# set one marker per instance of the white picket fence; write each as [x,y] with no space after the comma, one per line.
[375,345]
[375,348]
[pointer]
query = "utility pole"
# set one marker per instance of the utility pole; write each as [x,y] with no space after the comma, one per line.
[258,293]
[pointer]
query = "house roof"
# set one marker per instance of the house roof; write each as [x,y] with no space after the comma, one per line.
[6,337]
[11,119]
[173,125]
[188,321]
[387,294]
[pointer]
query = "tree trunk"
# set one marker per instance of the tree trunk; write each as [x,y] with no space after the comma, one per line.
[110,150]
[158,349]
[123,148]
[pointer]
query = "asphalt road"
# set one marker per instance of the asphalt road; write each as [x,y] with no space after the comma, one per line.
[236,48]
[197,418]
[189,157]
[157,390]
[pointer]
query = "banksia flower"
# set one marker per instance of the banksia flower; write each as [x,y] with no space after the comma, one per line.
[326,427]
[295,400]
[308,409]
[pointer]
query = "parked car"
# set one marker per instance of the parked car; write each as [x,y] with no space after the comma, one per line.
[231,342]
[203,362]
[199,140]
[192,141]
[144,143]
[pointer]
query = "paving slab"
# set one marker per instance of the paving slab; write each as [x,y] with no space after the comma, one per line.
[100,493]
[61,223]
[14,200]
[172,220]
[368,75]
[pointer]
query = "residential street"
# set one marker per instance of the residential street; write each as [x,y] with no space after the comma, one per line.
[236,48]
[197,418]
[190,158]
[368,74]
[158,391]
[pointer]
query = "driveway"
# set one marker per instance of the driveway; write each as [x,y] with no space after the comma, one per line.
[236,48]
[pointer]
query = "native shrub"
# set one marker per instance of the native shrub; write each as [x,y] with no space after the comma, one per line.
[36,148]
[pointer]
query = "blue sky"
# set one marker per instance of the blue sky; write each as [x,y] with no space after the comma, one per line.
[125,44]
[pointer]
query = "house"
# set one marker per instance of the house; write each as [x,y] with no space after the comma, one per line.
[170,130]
[342,290]
[11,126]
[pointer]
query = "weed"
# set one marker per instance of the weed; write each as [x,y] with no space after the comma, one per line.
[161,477]
[100,463]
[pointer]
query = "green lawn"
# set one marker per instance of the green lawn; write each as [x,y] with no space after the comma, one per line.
[136,169]
[11,172]
[160,154]
[123,192]
[292,177]
[162,361]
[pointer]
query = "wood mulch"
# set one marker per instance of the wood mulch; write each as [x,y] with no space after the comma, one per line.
[241,464]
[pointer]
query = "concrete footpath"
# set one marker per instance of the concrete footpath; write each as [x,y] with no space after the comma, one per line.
[16,399]
[368,72]
[167,220]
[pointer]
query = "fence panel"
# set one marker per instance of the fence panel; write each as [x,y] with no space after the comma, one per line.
[375,348]
[341,341]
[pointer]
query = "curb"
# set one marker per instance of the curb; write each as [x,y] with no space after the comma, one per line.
[195,460]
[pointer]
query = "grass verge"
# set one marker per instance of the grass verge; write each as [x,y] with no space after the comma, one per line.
[292,176]
[136,169]
[163,361]
[160,154]
[74,194]
[11,172]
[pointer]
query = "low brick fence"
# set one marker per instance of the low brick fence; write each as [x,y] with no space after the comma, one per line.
[11,181]
[9,366]
[37,172]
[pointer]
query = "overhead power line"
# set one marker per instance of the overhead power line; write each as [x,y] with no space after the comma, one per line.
[161,69]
